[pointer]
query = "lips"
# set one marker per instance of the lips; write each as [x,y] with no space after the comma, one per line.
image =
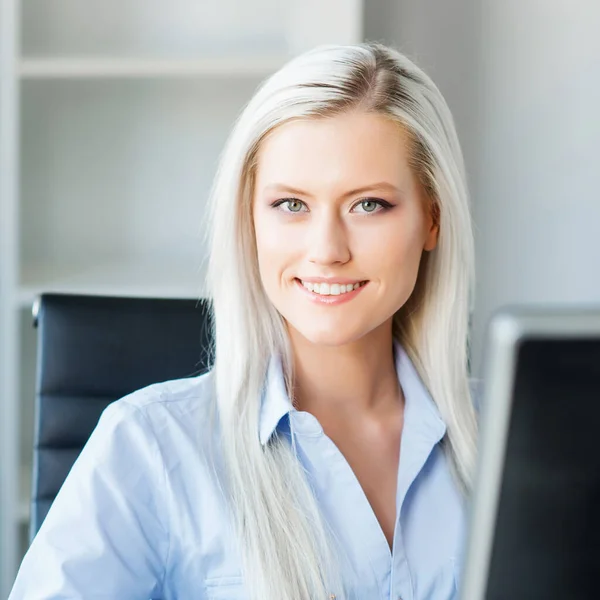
[331,287]
[323,294]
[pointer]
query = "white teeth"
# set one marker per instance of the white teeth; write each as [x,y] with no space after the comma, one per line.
[326,289]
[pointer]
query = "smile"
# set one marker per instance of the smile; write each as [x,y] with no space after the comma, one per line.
[331,289]
[331,293]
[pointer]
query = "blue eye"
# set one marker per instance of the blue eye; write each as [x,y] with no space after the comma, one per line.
[293,205]
[371,206]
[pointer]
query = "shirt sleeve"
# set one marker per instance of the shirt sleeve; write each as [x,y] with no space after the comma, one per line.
[106,534]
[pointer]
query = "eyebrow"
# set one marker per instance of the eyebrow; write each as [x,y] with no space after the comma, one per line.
[381,185]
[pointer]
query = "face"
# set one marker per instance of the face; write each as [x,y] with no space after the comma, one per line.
[337,208]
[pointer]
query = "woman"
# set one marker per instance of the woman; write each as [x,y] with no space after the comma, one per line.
[343,439]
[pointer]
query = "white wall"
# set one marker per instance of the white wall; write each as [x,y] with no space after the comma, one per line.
[523,80]
[443,38]
[538,204]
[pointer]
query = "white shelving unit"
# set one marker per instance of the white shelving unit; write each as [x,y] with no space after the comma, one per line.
[71,68]
[112,117]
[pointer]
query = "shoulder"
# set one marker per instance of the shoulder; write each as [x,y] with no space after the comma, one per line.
[170,410]
[175,396]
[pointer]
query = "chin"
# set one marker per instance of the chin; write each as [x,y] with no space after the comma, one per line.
[332,337]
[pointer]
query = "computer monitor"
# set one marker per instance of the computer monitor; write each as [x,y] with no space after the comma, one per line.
[535,513]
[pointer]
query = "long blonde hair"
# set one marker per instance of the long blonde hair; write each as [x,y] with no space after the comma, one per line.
[287,551]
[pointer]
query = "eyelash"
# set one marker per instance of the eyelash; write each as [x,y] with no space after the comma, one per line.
[382,203]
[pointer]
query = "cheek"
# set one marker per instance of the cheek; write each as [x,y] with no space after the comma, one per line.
[393,248]
[268,235]
[275,247]
[268,263]
[393,256]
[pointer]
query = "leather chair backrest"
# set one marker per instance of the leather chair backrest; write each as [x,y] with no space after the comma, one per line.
[94,350]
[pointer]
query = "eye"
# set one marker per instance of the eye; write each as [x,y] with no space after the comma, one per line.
[292,205]
[371,205]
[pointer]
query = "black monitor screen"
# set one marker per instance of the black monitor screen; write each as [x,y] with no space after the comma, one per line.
[547,535]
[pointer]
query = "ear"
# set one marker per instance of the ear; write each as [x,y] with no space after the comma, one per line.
[432,238]
[433,228]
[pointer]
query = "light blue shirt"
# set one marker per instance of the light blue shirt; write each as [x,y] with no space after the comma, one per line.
[141,514]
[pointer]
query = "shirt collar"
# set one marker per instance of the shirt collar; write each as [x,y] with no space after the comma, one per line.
[423,426]
[421,413]
[275,402]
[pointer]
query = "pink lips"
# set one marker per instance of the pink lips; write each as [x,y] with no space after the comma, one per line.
[330,300]
[329,280]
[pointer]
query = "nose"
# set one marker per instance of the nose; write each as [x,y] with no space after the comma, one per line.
[328,240]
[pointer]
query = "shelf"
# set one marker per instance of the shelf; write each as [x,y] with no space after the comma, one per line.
[138,279]
[86,68]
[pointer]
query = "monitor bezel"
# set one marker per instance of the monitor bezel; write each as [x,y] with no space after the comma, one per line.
[508,328]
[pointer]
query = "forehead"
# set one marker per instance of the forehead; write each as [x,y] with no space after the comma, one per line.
[350,149]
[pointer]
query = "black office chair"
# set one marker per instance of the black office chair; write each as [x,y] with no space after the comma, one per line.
[92,351]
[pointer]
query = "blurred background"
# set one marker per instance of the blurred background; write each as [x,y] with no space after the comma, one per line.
[113,114]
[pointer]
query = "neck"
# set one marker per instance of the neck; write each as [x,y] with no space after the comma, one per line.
[354,378]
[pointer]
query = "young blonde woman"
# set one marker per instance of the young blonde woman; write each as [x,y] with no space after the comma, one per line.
[329,451]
